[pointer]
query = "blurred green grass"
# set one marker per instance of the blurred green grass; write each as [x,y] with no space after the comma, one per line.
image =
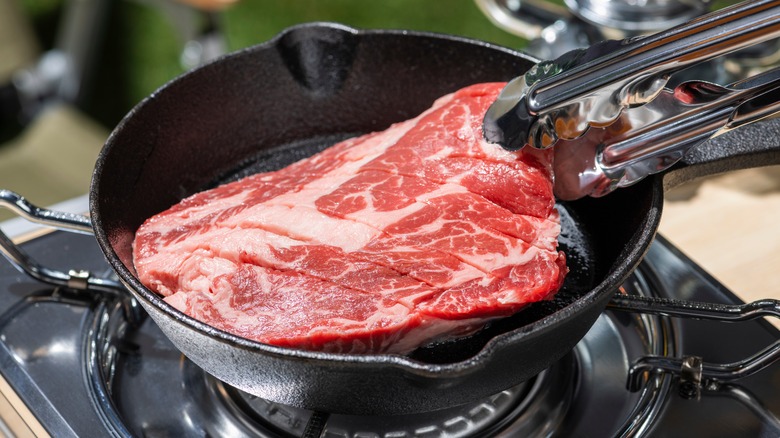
[141,47]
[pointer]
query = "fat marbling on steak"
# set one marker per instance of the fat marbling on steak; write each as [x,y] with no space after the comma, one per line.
[380,243]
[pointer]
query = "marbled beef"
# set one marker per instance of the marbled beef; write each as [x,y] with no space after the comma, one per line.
[381,243]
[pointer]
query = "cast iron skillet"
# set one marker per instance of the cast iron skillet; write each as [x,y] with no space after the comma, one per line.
[270,105]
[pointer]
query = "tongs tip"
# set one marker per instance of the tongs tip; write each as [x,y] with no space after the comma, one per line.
[507,120]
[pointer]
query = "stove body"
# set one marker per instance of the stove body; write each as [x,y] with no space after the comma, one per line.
[73,368]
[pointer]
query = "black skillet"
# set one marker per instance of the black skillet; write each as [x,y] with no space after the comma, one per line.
[270,105]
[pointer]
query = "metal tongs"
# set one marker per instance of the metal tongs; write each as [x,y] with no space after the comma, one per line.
[611,98]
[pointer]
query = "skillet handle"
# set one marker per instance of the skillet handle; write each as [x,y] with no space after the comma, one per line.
[73,279]
[754,145]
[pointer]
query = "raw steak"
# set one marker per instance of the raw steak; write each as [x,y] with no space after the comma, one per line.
[381,243]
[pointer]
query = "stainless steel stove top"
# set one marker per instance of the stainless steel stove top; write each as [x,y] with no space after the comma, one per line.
[74,365]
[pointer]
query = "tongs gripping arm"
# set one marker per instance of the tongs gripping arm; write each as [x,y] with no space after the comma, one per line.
[563,98]
[651,138]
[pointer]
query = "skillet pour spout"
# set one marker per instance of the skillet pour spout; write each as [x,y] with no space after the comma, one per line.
[241,114]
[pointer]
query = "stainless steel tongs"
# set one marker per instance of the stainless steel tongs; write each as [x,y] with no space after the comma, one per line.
[611,98]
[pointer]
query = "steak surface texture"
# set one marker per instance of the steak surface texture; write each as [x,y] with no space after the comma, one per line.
[379,244]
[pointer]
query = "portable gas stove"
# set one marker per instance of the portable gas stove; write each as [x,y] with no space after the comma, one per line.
[73,366]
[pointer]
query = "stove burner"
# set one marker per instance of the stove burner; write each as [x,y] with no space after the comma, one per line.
[474,419]
[131,368]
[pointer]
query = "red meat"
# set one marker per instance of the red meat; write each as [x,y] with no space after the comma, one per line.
[381,243]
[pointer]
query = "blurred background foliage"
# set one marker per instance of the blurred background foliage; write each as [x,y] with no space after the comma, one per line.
[141,47]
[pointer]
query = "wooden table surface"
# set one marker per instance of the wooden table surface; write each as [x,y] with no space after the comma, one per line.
[730,226]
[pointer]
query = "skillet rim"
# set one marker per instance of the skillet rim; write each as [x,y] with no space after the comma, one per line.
[617,272]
